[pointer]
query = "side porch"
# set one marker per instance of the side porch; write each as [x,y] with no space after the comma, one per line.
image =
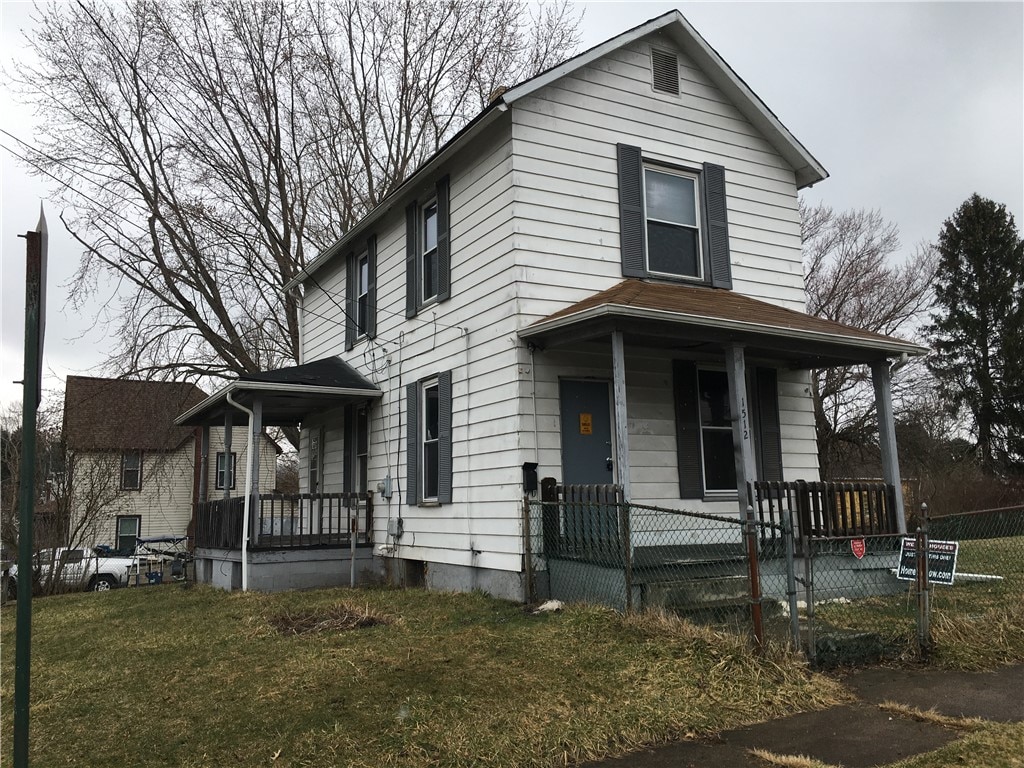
[272,541]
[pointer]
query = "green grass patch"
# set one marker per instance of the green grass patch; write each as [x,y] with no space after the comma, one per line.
[166,676]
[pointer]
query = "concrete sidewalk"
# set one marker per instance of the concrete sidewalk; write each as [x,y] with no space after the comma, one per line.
[859,735]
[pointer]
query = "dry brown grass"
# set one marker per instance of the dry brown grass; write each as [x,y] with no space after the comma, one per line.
[931,716]
[787,761]
[340,617]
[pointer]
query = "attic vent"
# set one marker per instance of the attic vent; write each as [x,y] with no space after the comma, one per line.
[666,71]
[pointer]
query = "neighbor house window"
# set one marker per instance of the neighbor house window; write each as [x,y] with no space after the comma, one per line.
[131,470]
[223,466]
[315,447]
[129,528]
[719,462]
[672,229]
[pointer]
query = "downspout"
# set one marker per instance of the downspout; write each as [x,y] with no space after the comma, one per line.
[248,493]
[904,359]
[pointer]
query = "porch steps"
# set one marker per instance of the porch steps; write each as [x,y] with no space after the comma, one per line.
[696,594]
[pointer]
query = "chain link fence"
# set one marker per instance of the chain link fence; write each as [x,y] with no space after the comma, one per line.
[838,599]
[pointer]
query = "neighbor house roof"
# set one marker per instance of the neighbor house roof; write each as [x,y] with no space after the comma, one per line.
[671,314]
[807,169]
[126,414]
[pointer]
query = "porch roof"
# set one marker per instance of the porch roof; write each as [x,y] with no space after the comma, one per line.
[689,317]
[287,394]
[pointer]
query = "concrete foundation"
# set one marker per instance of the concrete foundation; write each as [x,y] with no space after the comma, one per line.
[444,577]
[275,571]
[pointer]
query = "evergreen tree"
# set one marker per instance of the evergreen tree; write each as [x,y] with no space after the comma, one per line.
[977,333]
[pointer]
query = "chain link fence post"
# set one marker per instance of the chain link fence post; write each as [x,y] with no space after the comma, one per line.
[756,617]
[627,554]
[794,611]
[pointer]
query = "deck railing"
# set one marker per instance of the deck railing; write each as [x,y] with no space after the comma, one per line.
[828,510]
[287,521]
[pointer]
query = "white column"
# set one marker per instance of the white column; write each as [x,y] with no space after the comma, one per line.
[743,450]
[256,427]
[621,425]
[882,380]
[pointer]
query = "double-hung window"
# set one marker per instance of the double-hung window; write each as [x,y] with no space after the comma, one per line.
[429,440]
[129,528]
[704,428]
[357,448]
[227,480]
[428,250]
[673,221]
[131,470]
[361,294]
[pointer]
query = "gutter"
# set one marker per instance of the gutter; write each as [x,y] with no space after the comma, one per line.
[267,386]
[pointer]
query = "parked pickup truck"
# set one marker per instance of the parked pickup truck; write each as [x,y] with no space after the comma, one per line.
[77,569]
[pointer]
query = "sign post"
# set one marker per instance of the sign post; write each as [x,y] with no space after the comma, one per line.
[35,313]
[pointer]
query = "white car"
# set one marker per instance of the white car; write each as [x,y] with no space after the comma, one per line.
[82,568]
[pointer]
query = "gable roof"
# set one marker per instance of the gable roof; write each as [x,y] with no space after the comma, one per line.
[126,414]
[808,170]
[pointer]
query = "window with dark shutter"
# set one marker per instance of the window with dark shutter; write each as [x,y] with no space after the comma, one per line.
[769,432]
[665,71]
[673,222]
[428,250]
[429,438]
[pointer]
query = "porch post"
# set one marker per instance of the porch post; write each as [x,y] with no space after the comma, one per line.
[882,380]
[736,369]
[204,464]
[621,425]
[256,426]
[229,424]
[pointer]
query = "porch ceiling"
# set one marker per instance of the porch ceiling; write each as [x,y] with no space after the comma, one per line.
[287,394]
[690,318]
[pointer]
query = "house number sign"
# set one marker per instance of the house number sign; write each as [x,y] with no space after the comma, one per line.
[586,424]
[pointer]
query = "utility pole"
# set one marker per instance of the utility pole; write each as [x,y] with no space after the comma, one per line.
[35,320]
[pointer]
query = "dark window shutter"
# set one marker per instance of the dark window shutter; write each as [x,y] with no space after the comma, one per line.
[444,434]
[411,260]
[351,302]
[769,431]
[444,242]
[631,210]
[371,293]
[412,442]
[684,385]
[349,454]
[716,238]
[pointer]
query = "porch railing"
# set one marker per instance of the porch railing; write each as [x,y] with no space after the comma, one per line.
[584,519]
[827,510]
[287,521]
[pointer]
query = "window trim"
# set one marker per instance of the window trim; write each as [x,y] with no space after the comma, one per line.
[694,176]
[415,434]
[117,528]
[425,386]
[362,295]
[713,224]
[713,493]
[124,468]
[218,480]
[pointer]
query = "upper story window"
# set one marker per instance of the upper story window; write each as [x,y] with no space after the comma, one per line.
[673,230]
[361,294]
[673,221]
[428,250]
[131,470]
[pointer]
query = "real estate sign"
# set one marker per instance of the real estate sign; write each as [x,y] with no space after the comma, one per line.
[941,561]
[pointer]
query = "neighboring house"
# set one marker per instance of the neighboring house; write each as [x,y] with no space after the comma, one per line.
[133,472]
[600,275]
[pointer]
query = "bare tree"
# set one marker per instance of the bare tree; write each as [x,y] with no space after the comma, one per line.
[852,277]
[208,148]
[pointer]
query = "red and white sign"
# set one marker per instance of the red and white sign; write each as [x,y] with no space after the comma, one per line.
[859,547]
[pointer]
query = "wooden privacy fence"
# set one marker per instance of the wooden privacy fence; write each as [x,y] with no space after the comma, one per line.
[827,510]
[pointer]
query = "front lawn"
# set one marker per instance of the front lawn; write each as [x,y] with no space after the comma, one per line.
[168,676]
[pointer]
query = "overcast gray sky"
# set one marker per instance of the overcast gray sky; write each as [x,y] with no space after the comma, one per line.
[910,106]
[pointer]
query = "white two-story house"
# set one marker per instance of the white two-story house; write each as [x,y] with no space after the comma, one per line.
[601,276]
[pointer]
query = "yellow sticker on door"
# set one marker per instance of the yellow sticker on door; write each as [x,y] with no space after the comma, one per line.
[586,424]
